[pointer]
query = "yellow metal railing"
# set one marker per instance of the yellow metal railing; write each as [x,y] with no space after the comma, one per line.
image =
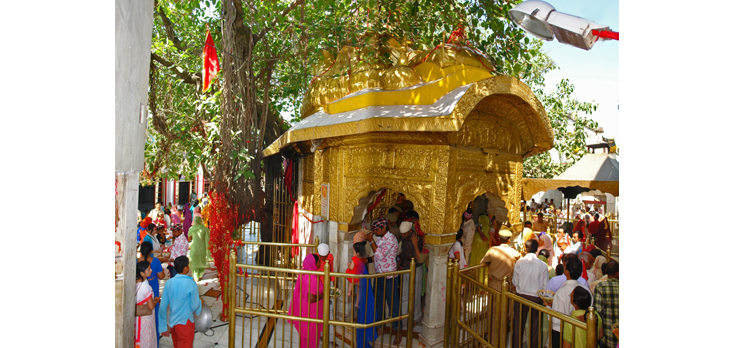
[479,316]
[274,286]
[278,254]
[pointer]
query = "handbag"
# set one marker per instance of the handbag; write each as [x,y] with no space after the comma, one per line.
[142,310]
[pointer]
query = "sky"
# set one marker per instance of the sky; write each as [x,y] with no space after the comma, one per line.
[594,73]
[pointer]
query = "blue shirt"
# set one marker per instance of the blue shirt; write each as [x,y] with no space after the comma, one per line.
[154,282]
[555,283]
[182,296]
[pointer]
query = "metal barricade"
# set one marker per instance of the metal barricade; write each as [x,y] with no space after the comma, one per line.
[481,316]
[264,313]
[476,314]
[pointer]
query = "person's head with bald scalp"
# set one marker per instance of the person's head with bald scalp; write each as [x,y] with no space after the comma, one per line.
[588,259]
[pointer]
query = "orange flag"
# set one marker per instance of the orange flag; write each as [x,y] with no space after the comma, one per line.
[210,62]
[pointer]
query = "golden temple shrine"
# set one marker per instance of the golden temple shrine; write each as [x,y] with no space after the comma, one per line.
[435,125]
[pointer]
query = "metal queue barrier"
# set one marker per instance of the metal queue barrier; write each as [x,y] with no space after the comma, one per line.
[480,316]
[263,314]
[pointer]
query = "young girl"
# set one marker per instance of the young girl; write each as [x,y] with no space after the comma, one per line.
[580,299]
[358,265]
[457,250]
[365,297]
[145,333]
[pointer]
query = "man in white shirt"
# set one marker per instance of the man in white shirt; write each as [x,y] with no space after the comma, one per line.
[153,212]
[530,275]
[556,282]
[562,299]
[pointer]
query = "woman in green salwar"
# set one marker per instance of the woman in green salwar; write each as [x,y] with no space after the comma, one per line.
[480,245]
[199,236]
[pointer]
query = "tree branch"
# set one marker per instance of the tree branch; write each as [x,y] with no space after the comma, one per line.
[288,9]
[207,174]
[265,107]
[170,28]
[193,79]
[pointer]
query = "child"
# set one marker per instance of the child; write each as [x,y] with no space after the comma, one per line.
[182,296]
[580,299]
[457,250]
[144,330]
[160,235]
[357,265]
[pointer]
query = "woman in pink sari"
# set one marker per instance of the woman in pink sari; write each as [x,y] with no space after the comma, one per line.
[545,242]
[307,302]
[175,217]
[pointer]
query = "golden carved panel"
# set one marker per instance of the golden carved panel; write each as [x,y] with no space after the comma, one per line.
[470,160]
[309,168]
[308,193]
[465,185]
[319,168]
[513,97]
[485,130]
[419,193]
[403,138]
[389,160]
[441,169]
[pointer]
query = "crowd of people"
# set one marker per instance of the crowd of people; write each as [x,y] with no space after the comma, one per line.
[576,272]
[565,263]
[180,240]
[389,243]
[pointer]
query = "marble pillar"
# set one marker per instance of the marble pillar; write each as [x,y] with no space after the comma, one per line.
[435,298]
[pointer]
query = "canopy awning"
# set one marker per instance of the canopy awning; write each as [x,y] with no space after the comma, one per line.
[570,188]
[599,171]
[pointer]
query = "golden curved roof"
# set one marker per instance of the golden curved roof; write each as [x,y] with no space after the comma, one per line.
[453,81]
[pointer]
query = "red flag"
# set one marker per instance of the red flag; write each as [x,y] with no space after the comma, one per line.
[210,62]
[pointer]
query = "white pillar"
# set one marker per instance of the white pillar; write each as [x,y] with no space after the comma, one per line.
[435,298]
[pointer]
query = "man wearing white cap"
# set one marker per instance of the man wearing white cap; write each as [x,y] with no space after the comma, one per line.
[323,250]
[411,246]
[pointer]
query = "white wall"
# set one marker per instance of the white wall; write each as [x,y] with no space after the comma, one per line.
[133,39]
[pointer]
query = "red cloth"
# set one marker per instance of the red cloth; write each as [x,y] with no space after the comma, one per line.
[295,229]
[601,241]
[580,226]
[288,177]
[588,248]
[377,200]
[418,228]
[593,227]
[183,335]
[322,267]
[584,270]
[359,266]
[209,62]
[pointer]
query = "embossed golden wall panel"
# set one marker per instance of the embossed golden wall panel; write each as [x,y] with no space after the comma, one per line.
[485,130]
[308,182]
[391,160]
